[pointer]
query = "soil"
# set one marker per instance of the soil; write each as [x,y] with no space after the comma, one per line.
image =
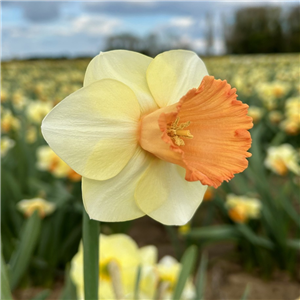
[225,280]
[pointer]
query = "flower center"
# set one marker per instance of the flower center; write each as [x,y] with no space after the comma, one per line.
[105,269]
[175,132]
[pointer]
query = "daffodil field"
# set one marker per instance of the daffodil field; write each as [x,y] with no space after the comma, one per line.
[257,212]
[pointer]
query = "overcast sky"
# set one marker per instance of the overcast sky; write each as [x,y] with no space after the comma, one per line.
[45,28]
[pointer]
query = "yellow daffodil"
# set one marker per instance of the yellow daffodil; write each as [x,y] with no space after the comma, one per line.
[148,135]
[37,110]
[9,121]
[29,206]
[18,100]
[31,134]
[119,258]
[3,94]
[275,116]
[242,208]
[255,113]
[270,92]
[6,145]
[47,160]
[168,271]
[282,159]
[291,124]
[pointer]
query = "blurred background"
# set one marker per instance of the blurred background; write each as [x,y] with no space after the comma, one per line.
[40,29]
[247,232]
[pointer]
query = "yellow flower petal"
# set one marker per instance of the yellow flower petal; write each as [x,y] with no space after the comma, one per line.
[127,67]
[148,255]
[113,200]
[172,74]
[164,195]
[98,127]
[29,206]
[121,248]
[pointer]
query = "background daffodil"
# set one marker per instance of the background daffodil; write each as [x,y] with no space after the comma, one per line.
[121,251]
[148,135]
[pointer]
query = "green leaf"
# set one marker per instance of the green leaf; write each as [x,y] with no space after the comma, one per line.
[291,211]
[69,291]
[90,257]
[294,244]
[239,184]
[255,162]
[5,289]
[42,295]
[201,278]
[187,264]
[246,293]
[137,283]
[278,139]
[21,257]
[253,238]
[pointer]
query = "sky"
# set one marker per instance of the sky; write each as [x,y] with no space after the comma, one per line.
[80,28]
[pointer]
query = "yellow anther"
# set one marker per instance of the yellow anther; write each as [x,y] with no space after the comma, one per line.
[176,132]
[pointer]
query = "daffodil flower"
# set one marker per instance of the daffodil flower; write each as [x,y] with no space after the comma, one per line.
[122,253]
[29,206]
[242,208]
[168,270]
[148,135]
[283,158]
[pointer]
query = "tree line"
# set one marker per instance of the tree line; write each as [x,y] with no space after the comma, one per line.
[252,30]
[263,30]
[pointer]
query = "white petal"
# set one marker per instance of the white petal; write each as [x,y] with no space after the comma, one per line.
[172,74]
[113,200]
[94,130]
[164,194]
[125,66]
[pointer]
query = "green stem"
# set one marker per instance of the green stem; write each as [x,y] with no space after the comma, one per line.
[90,236]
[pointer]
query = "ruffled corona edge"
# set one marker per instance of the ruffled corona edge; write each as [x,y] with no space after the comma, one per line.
[219,125]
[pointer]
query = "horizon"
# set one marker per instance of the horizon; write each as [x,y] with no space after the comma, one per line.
[56,29]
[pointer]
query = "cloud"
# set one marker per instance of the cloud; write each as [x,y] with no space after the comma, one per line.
[41,11]
[94,25]
[192,32]
[178,8]
[81,35]
[148,8]
[36,11]
[182,22]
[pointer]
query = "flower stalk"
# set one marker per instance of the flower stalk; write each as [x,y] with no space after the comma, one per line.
[161,289]
[90,236]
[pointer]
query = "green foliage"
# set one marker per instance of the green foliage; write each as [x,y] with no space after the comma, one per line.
[263,30]
[201,278]
[21,257]
[69,291]
[5,288]
[187,262]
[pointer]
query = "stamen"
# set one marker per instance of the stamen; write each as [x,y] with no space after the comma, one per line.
[176,132]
